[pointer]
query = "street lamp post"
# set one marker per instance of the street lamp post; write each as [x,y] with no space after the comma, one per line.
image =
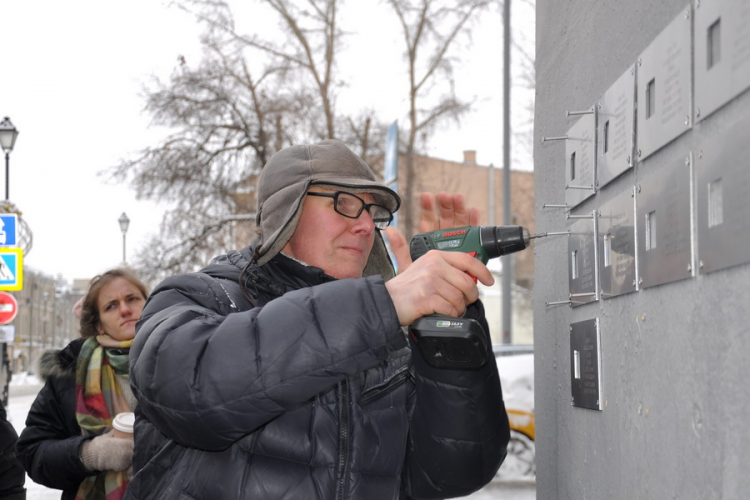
[8,135]
[124,223]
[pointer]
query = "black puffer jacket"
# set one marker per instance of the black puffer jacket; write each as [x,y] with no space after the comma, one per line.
[12,475]
[49,445]
[311,395]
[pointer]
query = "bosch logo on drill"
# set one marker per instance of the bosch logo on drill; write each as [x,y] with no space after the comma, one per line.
[454,233]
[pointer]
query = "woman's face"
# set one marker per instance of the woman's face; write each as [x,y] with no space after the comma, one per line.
[120,304]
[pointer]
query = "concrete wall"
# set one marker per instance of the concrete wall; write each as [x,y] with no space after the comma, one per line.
[675,376]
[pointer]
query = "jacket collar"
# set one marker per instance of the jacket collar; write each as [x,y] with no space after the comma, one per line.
[278,276]
[60,363]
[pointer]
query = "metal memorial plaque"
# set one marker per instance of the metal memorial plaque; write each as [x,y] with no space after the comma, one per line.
[586,364]
[617,245]
[616,129]
[663,76]
[583,273]
[663,225]
[722,53]
[579,161]
[723,199]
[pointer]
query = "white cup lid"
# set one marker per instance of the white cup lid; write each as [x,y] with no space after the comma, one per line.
[123,422]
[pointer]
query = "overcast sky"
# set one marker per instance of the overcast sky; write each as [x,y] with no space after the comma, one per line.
[70,82]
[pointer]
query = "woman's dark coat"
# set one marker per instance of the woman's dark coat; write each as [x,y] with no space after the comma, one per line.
[314,395]
[49,445]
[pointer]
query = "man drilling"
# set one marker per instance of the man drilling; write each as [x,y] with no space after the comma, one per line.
[282,370]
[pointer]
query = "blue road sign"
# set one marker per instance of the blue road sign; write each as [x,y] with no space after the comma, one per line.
[11,269]
[8,230]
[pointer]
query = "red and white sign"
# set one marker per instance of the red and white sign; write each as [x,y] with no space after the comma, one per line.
[8,308]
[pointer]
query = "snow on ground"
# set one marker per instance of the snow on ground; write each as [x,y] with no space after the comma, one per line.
[20,379]
[517,379]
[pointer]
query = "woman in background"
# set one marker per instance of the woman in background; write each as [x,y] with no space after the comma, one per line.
[68,442]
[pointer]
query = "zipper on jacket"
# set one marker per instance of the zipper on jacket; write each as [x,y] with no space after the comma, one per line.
[387,385]
[343,439]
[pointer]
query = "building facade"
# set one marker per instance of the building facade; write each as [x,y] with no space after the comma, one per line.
[44,320]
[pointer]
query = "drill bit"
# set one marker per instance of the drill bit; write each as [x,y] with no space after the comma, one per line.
[543,235]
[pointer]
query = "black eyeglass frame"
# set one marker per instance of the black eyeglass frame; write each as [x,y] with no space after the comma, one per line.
[380,223]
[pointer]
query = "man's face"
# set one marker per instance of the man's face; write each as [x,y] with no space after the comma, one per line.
[338,245]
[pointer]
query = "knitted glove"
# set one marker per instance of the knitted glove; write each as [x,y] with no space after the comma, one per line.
[107,452]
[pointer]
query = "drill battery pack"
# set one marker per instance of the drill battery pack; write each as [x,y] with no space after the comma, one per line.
[450,343]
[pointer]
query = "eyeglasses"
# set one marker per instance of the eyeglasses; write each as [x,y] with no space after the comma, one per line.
[351,206]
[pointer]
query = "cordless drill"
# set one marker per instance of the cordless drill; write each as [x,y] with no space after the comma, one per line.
[459,343]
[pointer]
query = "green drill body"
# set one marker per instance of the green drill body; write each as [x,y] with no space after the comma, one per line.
[458,343]
[484,242]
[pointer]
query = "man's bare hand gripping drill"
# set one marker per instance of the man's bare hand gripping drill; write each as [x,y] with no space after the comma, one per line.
[439,282]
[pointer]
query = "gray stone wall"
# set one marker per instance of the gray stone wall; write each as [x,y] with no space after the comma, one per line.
[675,376]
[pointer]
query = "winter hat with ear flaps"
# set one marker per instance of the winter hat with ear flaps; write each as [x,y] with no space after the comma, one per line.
[283,185]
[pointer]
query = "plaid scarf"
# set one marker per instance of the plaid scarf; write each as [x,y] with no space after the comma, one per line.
[98,399]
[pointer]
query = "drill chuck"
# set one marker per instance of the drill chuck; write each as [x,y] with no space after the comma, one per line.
[503,240]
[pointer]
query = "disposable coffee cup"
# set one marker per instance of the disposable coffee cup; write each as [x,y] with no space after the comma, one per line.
[123,425]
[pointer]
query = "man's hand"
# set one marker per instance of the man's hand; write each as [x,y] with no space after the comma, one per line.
[443,211]
[437,283]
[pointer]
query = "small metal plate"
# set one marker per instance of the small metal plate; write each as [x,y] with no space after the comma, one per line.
[617,245]
[579,161]
[583,273]
[616,129]
[585,364]
[722,53]
[664,87]
[663,225]
[723,204]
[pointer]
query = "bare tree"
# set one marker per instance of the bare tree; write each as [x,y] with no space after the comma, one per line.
[227,123]
[365,133]
[311,41]
[246,99]
[430,29]
[307,44]
[250,96]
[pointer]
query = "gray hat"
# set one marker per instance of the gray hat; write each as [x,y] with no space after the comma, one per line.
[285,180]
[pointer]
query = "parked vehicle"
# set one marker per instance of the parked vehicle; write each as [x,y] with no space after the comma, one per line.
[516,366]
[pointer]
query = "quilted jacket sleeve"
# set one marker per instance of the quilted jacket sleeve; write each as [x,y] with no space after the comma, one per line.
[459,429]
[206,375]
[49,445]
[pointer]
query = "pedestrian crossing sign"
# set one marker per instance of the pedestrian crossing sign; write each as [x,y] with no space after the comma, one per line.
[11,269]
[8,230]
